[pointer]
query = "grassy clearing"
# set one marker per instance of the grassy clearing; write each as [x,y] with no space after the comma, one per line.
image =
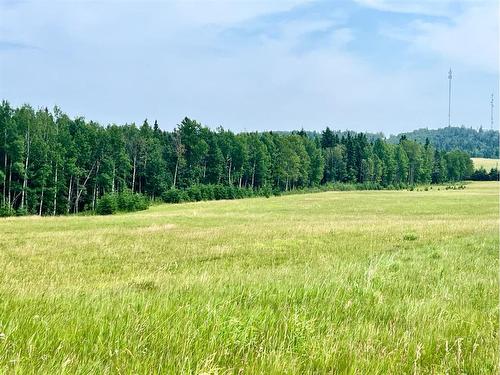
[341,282]
[485,163]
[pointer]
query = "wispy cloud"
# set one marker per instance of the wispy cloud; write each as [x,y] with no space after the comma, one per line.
[418,7]
[470,39]
[13,46]
[366,65]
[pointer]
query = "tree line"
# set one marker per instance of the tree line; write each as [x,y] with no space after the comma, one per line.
[51,164]
[482,174]
[479,143]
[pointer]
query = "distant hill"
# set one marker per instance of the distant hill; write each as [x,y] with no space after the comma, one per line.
[340,133]
[478,143]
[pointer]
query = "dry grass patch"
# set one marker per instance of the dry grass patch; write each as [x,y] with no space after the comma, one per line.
[154,228]
[338,282]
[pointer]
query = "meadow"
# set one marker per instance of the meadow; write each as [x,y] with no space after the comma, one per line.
[383,282]
[485,163]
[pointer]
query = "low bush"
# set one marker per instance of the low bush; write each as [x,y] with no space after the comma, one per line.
[194,193]
[106,205]
[6,211]
[482,175]
[220,192]
[171,196]
[125,201]
[22,212]
[207,192]
[265,191]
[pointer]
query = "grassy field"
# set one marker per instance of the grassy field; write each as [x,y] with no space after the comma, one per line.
[485,163]
[338,282]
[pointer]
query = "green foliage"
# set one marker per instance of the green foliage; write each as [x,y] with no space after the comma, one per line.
[107,205]
[207,192]
[125,201]
[220,192]
[194,193]
[482,175]
[410,237]
[477,143]
[172,196]
[6,211]
[21,211]
[52,164]
[265,191]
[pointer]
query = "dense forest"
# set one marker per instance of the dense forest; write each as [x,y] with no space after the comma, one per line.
[477,143]
[51,164]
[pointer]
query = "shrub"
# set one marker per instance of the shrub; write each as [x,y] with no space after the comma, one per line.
[220,192]
[194,193]
[248,192]
[21,212]
[207,192]
[231,192]
[171,196]
[494,175]
[200,192]
[410,237]
[107,204]
[184,197]
[6,211]
[127,201]
[239,193]
[265,191]
[142,203]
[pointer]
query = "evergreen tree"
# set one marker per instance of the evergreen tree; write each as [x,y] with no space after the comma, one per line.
[51,164]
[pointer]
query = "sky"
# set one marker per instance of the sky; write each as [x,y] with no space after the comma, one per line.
[364,65]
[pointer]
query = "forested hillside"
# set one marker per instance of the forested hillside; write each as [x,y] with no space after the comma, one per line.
[477,143]
[52,164]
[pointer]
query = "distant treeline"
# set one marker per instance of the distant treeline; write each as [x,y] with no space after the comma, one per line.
[482,174]
[52,164]
[477,143]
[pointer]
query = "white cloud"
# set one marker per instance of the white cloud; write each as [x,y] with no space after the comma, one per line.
[120,61]
[227,12]
[427,7]
[471,39]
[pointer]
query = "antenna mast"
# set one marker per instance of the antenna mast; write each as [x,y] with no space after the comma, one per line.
[449,97]
[492,111]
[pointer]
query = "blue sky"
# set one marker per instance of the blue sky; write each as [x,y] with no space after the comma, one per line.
[366,65]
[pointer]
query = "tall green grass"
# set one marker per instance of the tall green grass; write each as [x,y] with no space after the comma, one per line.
[335,282]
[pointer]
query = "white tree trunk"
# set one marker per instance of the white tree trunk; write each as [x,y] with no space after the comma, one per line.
[94,196]
[4,192]
[69,194]
[253,174]
[10,184]
[175,173]
[79,190]
[133,174]
[41,202]
[114,173]
[26,164]
[55,193]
